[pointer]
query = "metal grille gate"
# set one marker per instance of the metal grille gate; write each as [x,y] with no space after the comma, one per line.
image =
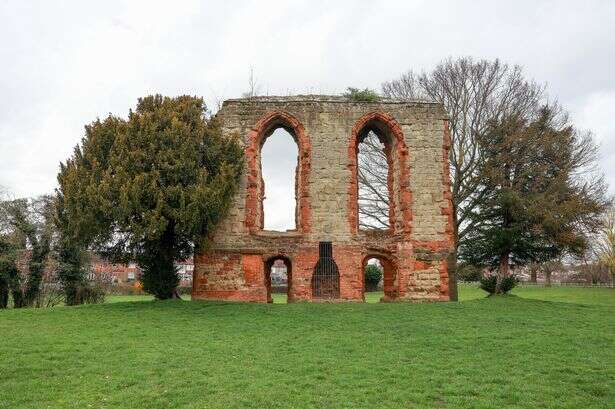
[326,277]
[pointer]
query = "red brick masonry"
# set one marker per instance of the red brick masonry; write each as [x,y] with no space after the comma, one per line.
[415,252]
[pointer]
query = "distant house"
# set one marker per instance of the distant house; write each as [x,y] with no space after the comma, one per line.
[108,272]
[185,268]
[279,274]
[112,273]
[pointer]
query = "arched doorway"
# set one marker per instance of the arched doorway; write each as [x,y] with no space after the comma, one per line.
[278,279]
[387,288]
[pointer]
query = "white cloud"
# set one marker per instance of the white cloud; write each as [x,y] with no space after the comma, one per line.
[595,112]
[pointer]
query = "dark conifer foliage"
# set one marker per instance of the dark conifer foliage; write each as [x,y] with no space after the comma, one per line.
[149,188]
[540,194]
[8,270]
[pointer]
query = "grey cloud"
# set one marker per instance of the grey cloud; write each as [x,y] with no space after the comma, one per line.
[64,65]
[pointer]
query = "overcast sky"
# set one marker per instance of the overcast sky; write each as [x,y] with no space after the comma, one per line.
[66,63]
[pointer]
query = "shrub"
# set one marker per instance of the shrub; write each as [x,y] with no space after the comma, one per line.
[508,284]
[489,284]
[125,289]
[469,272]
[365,95]
[373,274]
[91,293]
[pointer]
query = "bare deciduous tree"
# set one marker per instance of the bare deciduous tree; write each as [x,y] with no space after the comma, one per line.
[474,93]
[591,266]
[606,243]
[373,186]
[254,87]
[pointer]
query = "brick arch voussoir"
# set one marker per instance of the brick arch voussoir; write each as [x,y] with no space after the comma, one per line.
[384,118]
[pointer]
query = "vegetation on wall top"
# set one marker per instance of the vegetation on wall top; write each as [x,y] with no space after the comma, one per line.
[361,95]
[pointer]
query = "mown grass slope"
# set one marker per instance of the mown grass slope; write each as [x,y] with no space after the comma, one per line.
[530,350]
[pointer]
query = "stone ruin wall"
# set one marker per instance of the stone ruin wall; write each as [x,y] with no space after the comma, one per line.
[415,252]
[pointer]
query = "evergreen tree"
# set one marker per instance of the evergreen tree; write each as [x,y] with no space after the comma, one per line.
[373,275]
[8,269]
[150,187]
[7,260]
[538,202]
[71,258]
[30,231]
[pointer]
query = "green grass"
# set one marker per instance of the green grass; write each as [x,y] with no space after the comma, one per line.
[125,298]
[575,295]
[543,348]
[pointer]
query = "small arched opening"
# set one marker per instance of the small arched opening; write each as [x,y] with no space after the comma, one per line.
[278,279]
[379,279]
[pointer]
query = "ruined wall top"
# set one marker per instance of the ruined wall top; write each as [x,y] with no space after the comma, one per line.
[326,98]
[339,100]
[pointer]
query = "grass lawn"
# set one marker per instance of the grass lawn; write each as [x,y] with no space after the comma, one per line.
[542,348]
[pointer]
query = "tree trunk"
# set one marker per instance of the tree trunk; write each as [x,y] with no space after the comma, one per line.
[4,293]
[452,260]
[589,275]
[16,290]
[503,270]
[72,290]
[18,299]
[452,276]
[159,275]
[455,227]
[33,286]
[547,279]
[504,267]
[533,276]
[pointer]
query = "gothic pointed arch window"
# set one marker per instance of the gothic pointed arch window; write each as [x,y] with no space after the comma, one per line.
[278,175]
[379,194]
[279,156]
[373,181]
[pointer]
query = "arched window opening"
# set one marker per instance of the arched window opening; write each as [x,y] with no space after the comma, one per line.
[278,272]
[373,182]
[380,279]
[279,156]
